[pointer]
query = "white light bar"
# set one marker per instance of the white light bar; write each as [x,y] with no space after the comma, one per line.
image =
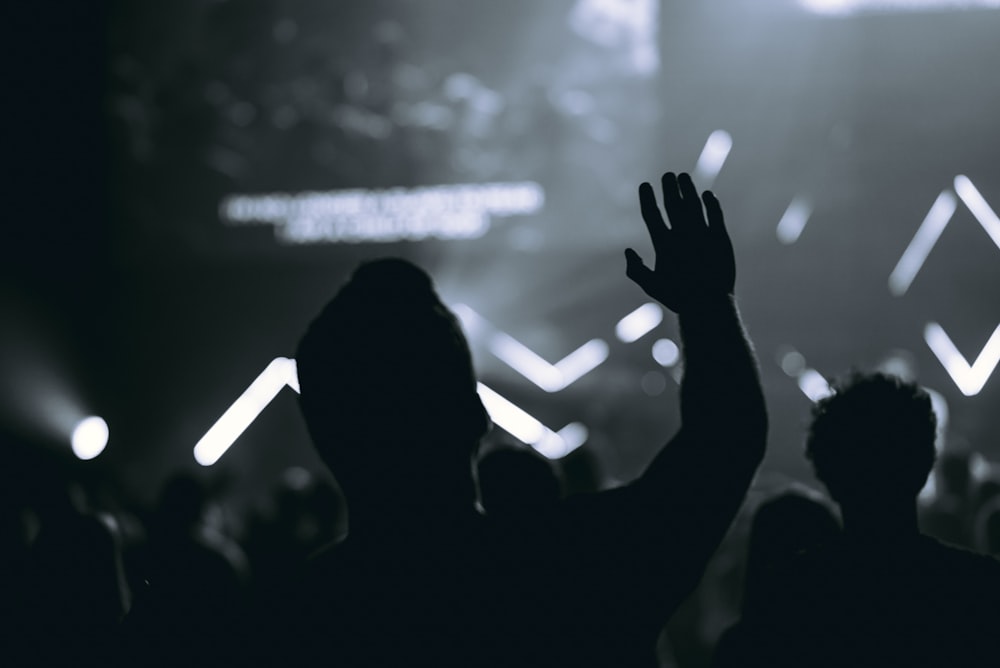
[970,379]
[639,322]
[814,385]
[279,373]
[712,158]
[526,362]
[986,216]
[794,220]
[524,427]
[916,253]
[848,7]
[582,361]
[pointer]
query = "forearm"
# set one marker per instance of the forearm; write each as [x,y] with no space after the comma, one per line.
[722,403]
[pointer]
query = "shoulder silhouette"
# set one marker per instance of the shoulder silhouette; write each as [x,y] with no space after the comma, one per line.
[389,396]
[884,594]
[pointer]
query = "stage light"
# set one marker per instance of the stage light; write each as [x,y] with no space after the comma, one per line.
[459,211]
[916,253]
[712,157]
[557,445]
[639,322]
[524,427]
[511,417]
[792,363]
[90,437]
[814,385]
[582,361]
[666,353]
[794,221]
[549,377]
[970,379]
[977,204]
[279,373]
[848,7]
[526,362]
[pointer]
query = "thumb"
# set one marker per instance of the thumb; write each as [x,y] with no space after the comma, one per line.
[636,270]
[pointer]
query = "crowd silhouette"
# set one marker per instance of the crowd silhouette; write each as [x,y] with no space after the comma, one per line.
[431,550]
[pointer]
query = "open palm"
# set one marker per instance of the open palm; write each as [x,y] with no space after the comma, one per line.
[694,257]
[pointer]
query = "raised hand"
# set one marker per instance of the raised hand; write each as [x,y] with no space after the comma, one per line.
[694,259]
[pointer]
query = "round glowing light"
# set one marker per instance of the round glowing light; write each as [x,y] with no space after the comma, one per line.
[666,352]
[793,363]
[90,437]
[653,383]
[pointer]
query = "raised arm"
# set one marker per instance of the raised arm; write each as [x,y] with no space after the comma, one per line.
[722,405]
[696,483]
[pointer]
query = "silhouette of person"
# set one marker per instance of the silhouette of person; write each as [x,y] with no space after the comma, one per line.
[197,580]
[947,516]
[75,585]
[516,485]
[389,397]
[784,528]
[884,594]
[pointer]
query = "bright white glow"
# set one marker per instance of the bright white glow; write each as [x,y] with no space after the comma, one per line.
[916,253]
[847,7]
[970,379]
[292,375]
[473,323]
[556,445]
[460,211]
[973,199]
[629,25]
[526,362]
[712,157]
[794,220]
[639,322]
[524,427]
[582,361]
[814,385]
[90,437]
[666,352]
[549,377]
[279,373]
[511,417]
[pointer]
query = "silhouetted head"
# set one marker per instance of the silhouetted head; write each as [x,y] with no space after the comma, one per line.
[783,528]
[515,483]
[872,440]
[387,385]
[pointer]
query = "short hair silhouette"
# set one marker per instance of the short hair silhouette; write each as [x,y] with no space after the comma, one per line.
[384,369]
[874,436]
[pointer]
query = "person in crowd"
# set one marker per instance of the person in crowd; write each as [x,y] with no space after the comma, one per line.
[986,514]
[884,594]
[196,579]
[987,527]
[948,515]
[306,513]
[75,592]
[389,396]
[784,528]
[516,485]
